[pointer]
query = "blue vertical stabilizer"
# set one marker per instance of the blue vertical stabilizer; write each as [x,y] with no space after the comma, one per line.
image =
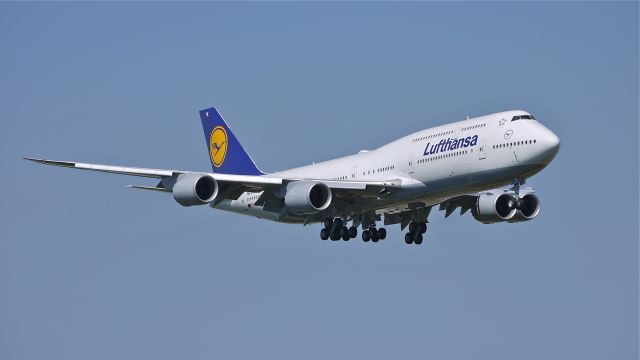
[226,154]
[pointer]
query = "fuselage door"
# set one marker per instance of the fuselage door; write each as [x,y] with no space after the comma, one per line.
[482,150]
[411,163]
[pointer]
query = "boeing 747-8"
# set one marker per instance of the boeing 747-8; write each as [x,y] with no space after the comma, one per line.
[458,165]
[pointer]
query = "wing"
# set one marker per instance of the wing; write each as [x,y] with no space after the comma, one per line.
[234,185]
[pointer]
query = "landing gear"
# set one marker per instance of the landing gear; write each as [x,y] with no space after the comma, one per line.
[418,239]
[335,230]
[353,232]
[374,234]
[416,229]
[344,233]
[516,203]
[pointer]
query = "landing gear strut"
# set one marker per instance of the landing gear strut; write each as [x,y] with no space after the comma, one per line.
[416,231]
[517,182]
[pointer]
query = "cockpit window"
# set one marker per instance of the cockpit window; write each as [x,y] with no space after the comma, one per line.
[523,117]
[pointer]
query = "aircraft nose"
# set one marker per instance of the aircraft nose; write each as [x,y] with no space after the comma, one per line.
[551,143]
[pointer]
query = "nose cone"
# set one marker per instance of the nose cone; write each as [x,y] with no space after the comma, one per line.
[551,144]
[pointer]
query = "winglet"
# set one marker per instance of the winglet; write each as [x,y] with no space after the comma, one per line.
[51,162]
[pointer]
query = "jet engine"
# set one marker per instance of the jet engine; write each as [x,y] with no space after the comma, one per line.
[195,189]
[529,208]
[307,197]
[491,208]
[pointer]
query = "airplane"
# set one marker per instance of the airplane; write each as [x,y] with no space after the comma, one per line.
[465,164]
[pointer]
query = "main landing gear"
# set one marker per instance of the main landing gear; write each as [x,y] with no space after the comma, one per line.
[335,230]
[374,234]
[416,230]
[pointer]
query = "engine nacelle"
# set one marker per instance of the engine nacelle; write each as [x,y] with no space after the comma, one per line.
[529,208]
[307,197]
[195,189]
[491,208]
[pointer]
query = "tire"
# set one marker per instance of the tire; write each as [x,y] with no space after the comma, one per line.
[382,233]
[408,238]
[337,222]
[374,235]
[335,236]
[353,232]
[324,234]
[413,227]
[328,223]
[343,232]
[418,239]
[365,236]
[423,227]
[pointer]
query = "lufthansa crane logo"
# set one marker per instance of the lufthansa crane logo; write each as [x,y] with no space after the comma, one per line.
[507,134]
[218,146]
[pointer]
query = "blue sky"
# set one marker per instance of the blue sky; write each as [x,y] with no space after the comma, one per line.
[90,269]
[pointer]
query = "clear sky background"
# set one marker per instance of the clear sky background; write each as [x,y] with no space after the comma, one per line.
[92,270]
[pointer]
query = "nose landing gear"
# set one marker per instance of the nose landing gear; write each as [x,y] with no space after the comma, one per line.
[516,203]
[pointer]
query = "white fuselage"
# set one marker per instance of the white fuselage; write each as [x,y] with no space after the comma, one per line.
[433,164]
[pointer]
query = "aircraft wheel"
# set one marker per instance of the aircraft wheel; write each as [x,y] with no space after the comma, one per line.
[423,227]
[408,238]
[335,236]
[344,232]
[374,235]
[337,222]
[418,239]
[382,233]
[353,232]
[324,234]
[365,235]
[413,227]
[328,223]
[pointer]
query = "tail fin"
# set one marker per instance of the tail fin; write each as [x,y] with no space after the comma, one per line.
[225,152]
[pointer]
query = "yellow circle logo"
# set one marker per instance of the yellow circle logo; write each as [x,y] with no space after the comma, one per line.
[218,145]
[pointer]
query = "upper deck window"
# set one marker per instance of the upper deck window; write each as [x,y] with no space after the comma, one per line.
[523,117]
